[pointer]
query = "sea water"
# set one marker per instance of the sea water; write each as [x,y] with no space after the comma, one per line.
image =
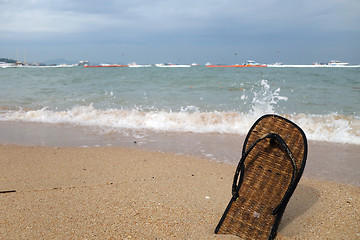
[324,102]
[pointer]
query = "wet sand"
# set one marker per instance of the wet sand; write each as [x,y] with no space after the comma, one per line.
[326,161]
[123,193]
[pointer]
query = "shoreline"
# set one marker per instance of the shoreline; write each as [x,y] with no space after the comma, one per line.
[326,161]
[123,193]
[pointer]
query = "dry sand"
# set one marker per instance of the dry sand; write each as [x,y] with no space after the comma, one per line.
[118,193]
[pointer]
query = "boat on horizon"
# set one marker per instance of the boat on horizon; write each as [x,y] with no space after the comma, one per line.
[135,65]
[170,65]
[338,63]
[105,65]
[12,65]
[331,64]
[249,63]
[224,65]
[6,64]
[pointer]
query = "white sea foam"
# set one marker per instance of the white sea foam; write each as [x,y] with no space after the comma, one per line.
[331,128]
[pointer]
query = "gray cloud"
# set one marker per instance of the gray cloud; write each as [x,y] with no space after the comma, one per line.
[65,16]
[224,24]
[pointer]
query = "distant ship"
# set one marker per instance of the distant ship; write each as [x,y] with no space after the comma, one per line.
[249,63]
[105,65]
[170,65]
[134,65]
[223,65]
[338,63]
[6,65]
[333,63]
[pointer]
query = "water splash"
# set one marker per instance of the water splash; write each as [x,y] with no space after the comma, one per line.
[265,100]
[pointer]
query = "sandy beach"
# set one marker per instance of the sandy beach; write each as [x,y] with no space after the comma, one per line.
[123,193]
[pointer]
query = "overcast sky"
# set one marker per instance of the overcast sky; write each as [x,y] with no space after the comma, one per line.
[183,31]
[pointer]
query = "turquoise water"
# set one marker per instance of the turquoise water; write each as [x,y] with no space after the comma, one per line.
[325,102]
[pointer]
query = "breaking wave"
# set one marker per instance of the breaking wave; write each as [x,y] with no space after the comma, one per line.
[331,128]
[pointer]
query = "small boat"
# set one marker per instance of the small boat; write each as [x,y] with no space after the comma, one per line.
[6,65]
[224,65]
[170,65]
[251,63]
[337,63]
[135,65]
[106,65]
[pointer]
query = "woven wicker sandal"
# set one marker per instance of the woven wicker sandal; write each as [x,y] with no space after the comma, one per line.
[272,162]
